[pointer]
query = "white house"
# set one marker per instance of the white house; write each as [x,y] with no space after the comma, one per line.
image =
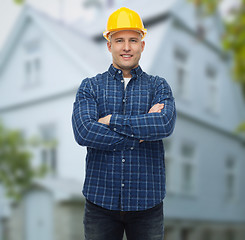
[43,63]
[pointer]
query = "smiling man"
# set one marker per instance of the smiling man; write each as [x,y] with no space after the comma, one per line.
[126,48]
[121,116]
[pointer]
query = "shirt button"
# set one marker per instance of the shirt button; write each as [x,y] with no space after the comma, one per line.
[123,185]
[124,100]
[132,135]
[123,160]
[132,148]
[119,71]
[122,81]
[114,129]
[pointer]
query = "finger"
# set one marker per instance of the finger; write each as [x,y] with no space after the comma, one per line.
[159,107]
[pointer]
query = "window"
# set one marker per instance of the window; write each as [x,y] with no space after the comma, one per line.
[181,74]
[49,148]
[188,168]
[32,62]
[212,90]
[32,71]
[168,233]
[230,178]
[207,234]
[185,234]
[200,28]
[200,31]
[230,235]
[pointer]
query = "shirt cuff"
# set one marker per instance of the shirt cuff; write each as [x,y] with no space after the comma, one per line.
[116,122]
[132,143]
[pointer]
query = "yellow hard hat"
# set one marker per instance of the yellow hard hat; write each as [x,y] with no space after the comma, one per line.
[124,19]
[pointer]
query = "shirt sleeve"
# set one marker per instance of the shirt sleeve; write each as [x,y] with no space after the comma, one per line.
[88,131]
[149,126]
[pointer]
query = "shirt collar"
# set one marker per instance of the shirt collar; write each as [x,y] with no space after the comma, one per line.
[115,72]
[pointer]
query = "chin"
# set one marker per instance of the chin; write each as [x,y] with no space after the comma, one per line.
[129,67]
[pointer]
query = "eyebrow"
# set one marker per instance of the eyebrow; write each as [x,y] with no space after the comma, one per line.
[132,38]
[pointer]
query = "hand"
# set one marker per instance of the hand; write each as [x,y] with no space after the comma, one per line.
[156,108]
[105,120]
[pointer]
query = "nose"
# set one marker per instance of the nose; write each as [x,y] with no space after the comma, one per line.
[126,46]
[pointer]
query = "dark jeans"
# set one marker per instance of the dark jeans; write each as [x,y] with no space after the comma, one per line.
[103,224]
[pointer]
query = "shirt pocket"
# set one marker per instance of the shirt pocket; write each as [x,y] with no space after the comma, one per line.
[145,101]
[102,104]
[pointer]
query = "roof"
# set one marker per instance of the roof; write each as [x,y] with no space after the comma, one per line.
[62,189]
[69,40]
[155,37]
[147,11]
[83,41]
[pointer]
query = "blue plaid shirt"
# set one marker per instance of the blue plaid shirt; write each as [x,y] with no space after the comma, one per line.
[122,173]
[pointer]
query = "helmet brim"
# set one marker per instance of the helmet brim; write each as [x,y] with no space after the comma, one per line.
[108,32]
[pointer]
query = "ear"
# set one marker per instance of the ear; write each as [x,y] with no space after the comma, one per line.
[142,46]
[109,46]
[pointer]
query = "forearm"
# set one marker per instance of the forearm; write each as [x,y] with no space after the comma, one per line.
[148,127]
[154,125]
[88,132]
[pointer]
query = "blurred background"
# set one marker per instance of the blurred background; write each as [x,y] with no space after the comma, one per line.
[48,47]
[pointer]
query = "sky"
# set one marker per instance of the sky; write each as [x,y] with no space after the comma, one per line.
[9,12]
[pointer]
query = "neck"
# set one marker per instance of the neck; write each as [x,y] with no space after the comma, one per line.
[126,74]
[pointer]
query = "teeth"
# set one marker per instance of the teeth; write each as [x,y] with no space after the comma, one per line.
[126,55]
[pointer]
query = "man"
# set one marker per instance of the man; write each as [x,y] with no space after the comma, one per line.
[121,116]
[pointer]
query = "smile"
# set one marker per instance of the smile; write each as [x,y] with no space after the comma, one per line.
[126,56]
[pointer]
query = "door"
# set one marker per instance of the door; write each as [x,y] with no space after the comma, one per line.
[39,215]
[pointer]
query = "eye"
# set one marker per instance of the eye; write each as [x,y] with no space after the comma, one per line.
[119,40]
[134,40]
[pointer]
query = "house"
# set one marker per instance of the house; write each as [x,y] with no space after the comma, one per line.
[4,214]
[41,67]
[51,209]
[40,105]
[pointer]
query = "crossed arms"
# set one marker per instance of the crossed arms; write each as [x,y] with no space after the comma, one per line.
[156,108]
[121,132]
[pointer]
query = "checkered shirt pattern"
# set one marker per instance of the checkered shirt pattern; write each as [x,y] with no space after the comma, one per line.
[123,173]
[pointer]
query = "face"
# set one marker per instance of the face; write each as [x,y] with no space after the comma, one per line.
[126,48]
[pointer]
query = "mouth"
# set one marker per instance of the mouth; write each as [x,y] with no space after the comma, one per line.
[126,56]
